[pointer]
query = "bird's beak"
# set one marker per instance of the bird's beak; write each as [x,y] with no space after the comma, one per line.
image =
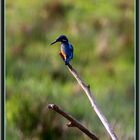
[54,42]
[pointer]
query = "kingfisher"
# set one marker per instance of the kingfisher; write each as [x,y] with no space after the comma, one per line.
[66,51]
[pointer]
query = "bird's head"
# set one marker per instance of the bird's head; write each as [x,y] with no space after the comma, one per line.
[61,38]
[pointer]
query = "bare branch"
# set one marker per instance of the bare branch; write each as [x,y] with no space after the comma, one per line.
[73,122]
[92,100]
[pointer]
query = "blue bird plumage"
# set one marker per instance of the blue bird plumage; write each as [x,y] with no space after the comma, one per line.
[66,48]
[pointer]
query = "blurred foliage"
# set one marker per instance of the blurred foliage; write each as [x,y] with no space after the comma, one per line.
[102,35]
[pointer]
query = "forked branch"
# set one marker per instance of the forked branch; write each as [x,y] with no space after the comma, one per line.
[73,122]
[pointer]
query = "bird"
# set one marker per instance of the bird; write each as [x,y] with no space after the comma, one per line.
[66,51]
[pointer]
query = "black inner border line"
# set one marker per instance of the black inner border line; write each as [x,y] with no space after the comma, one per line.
[137,67]
[2,70]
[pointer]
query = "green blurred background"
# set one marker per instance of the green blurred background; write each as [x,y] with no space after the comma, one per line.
[102,35]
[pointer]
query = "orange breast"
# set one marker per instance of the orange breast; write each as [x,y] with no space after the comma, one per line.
[63,53]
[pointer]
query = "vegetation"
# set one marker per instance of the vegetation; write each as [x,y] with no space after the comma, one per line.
[102,35]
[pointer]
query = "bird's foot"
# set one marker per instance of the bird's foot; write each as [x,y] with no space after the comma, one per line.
[66,63]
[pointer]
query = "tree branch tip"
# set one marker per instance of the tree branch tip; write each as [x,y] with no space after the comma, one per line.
[52,106]
[70,124]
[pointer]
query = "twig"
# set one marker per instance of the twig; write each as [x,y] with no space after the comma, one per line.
[92,100]
[73,122]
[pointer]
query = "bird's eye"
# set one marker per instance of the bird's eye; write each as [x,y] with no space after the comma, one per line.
[64,39]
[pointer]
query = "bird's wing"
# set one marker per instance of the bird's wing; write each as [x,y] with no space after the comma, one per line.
[71,48]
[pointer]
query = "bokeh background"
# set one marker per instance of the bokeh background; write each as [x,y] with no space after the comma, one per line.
[102,35]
